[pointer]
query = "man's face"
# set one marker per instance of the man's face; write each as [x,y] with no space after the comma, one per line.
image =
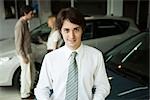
[72,34]
[30,15]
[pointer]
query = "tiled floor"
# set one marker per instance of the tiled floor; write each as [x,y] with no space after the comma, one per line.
[9,93]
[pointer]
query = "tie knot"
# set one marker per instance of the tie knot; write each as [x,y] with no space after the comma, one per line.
[73,54]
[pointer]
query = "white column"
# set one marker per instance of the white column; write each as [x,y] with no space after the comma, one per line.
[115,7]
[72,3]
[109,7]
[27,2]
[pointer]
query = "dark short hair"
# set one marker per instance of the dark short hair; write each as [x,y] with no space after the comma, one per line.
[26,9]
[71,14]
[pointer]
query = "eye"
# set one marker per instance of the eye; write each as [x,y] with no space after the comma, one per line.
[65,30]
[77,29]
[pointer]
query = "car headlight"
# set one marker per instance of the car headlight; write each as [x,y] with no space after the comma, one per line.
[4,59]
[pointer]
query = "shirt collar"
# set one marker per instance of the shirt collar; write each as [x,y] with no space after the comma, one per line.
[69,51]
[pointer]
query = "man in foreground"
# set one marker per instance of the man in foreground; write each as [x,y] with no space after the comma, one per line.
[73,70]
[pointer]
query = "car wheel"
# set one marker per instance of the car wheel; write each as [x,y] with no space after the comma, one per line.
[37,68]
[16,78]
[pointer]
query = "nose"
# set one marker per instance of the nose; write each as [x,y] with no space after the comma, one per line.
[72,34]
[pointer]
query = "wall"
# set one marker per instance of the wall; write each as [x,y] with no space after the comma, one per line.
[114,7]
[7,25]
[45,10]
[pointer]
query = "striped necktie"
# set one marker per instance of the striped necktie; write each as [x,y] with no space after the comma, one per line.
[72,81]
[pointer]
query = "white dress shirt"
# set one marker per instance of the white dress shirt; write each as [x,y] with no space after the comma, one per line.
[91,72]
[54,36]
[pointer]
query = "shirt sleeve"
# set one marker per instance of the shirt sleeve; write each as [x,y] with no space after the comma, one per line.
[19,34]
[56,36]
[44,85]
[101,80]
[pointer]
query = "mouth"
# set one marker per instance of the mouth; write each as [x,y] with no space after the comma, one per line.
[71,41]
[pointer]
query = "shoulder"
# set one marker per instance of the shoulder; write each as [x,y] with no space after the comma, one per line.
[93,54]
[92,51]
[56,33]
[19,23]
[56,53]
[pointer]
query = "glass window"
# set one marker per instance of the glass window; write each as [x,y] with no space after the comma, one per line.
[10,11]
[109,27]
[88,34]
[91,7]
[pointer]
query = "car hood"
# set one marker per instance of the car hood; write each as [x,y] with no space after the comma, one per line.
[123,88]
[7,47]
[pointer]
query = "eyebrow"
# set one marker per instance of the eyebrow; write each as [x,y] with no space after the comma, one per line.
[77,27]
[73,28]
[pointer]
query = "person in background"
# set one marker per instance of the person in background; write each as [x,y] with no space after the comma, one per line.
[24,52]
[54,39]
[73,70]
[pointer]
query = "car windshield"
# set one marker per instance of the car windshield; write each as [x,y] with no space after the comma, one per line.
[42,31]
[131,57]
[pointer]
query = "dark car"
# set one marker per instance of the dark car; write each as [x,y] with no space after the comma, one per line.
[127,66]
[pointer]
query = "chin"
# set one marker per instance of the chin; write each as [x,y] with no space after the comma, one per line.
[71,46]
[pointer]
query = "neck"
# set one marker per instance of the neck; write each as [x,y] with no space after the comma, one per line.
[24,18]
[74,48]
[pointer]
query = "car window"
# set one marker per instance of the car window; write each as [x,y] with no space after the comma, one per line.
[109,27]
[88,34]
[41,31]
[104,27]
[132,58]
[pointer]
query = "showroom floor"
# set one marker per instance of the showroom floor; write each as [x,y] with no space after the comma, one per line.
[9,93]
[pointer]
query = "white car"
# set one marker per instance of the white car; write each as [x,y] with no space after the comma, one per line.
[102,33]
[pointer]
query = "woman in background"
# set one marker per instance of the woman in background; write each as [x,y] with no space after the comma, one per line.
[54,39]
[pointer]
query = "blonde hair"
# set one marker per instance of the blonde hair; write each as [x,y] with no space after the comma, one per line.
[52,18]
